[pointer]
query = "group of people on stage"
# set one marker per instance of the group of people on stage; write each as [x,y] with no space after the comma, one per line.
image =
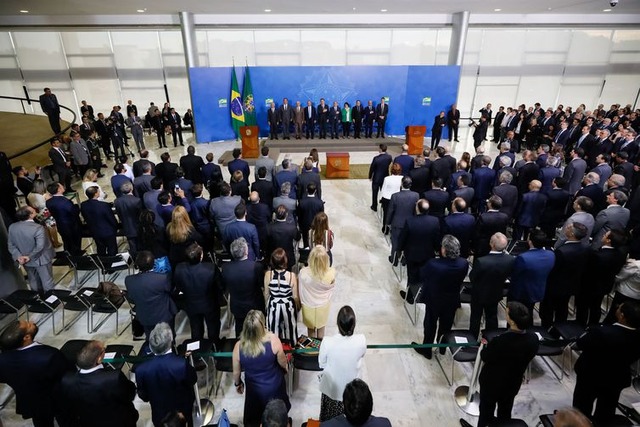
[329,119]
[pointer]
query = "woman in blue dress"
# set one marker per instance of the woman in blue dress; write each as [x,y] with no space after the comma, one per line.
[259,353]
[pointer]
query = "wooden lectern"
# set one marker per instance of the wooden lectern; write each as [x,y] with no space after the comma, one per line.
[250,146]
[337,165]
[415,138]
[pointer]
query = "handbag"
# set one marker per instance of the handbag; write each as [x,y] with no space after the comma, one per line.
[113,293]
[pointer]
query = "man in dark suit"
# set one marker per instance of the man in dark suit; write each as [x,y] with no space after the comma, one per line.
[378,171]
[613,217]
[555,210]
[175,122]
[241,228]
[61,164]
[369,118]
[151,294]
[599,277]
[166,170]
[239,164]
[530,210]
[309,120]
[482,183]
[322,116]
[489,223]
[460,225]
[574,171]
[309,176]
[264,188]
[200,215]
[259,214]
[335,118]
[443,167]
[401,207]
[103,133]
[101,222]
[442,278]
[505,359]
[243,279]
[50,106]
[382,111]
[488,277]
[138,166]
[566,276]
[421,174]
[528,172]
[419,240]
[119,179]
[548,173]
[273,119]
[624,167]
[603,368]
[497,123]
[453,121]
[212,176]
[282,234]
[530,272]
[404,160]
[32,370]
[285,116]
[507,192]
[166,380]
[192,165]
[95,396]
[438,199]
[357,114]
[592,189]
[286,175]
[67,216]
[24,182]
[463,190]
[480,131]
[142,183]
[128,208]
[308,207]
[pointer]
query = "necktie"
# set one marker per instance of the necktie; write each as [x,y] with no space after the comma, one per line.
[558,136]
[62,154]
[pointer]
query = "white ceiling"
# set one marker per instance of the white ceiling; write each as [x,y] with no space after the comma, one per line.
[303,7]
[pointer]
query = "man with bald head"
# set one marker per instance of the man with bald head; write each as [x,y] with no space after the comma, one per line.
[530,211]
[488,277]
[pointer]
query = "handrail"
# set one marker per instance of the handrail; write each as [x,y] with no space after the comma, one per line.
[46,141]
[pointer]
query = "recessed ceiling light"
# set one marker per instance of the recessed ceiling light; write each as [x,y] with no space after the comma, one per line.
[383,10]
[606,10]
[549,8]
[267,10]
[354,8]
[497,10]
[24,11]
[141,10]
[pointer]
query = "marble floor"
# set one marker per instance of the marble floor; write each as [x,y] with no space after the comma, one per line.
[408,389]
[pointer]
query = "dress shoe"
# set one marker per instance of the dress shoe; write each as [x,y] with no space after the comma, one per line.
[426,352]
[374,209]
[100,175]
[393,260]
[403,260]
[410,299]
[464,423]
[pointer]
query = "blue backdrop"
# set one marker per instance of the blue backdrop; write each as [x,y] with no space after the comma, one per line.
[416,93]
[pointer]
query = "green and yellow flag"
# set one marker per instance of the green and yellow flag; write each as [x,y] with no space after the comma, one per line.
[237,112]
[247,98]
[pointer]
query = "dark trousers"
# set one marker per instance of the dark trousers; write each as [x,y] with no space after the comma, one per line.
[381,124]
[385,205]
[375,189]
[162,142]
[273,131]
[310,129]
[304,230]
[395,239]
[212,320]
[239,323]
[588,309]
[346,129]
[42,418]
[54,122]
[435,138]
[357,127]
[133,246]
[496,133]
[453,131]
[71,238]
[554,309]
[588,391]
[413,272]
[322,132]
[106,245]
[437,322]
[64,178]
[176,132]
[490,315]
[488,403]
[334,129]
[368,129]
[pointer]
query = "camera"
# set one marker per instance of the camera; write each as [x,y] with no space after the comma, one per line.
[613,3]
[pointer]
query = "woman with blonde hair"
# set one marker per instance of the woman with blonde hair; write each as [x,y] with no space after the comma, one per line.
[260,355]
[181,233]
[316,285]
[90,179]
[321,234]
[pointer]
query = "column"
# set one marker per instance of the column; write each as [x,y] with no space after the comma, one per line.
[188,30]
[460,25]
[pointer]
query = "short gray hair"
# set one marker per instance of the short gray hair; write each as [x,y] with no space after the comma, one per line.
[506,146]
[285,188]
[239,248]
[505,177]
[505,161]
[593,178]
[126,188]
[160,338]
[451,246]
[617,179]
[552,161]
[498,242]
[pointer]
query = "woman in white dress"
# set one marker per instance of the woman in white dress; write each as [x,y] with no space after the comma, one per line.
[90,179]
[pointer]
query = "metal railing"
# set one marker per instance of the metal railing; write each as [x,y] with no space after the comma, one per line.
[24,111]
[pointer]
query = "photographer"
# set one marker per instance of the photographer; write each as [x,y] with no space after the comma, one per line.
[480,132]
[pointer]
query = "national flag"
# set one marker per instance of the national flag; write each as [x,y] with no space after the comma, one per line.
[247,98]
[237,112]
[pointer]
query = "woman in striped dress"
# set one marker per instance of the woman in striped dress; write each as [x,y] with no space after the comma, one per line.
[281,294]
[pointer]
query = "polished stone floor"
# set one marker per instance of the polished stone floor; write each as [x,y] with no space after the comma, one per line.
[408,389]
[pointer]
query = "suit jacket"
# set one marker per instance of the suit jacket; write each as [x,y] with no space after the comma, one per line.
[566,276]
[259,214]
[562,137]
[128,208]
[34,374]
[269,164]
[599,365]
[244,280]
[379,168]
[116,183]
[273,117]
[80,152]
[527,173]
[309,119]
[200,215]
[583,218]
[441,168]
[142,184]
[199,283]
[614,216]
[192,166]
[406,161]
[573,173]
[421,178]
[237,229]
[438,201]
[211,173]
[382,110]
[28,238]
[174,120]
[323,113]
[241,165]
[529,276]
[604,171]
[136,167]
[506,358]
[595,193]
[462,226]
[99,218]
[306,178]
[496,163]
[488,277]
[546,176]
[166,381]
[453,117]
[531,209]
[625,169]
[487,225]
[286,176]
[442,279]
[265,190]
[282,234]
[102,398]
[556,207]
[222,210]
[286,116]
[167,172]
[65,212]
[509,195]
[420,238]
[151,294]
[59,160]
[341,421]
[308,208]
[401,207]
[369,114]
[483,180]
[49,104]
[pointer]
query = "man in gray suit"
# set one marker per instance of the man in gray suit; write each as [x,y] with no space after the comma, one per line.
[401,207]
[30,247]
[222,209]
[267,162]
[574,171]
[80,152]
[613,217]
[582,205]
[286,117]
[135,126]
